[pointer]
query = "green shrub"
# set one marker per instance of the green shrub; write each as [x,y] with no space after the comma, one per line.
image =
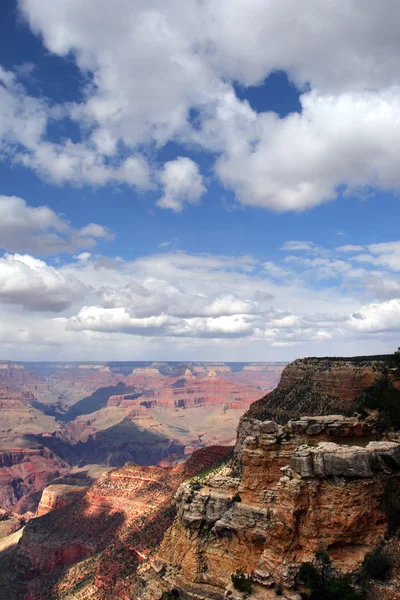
[309,576]
[377,565]
[321,582]
[391,504]
[385,398]
[242,582]
[195,485]
[236,497]
[374,463]
[172,595]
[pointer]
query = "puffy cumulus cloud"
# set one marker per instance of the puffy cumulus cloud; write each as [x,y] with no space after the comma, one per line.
[372,318]
[40,230]
[350,248]
[118,320]
[23,126]
[36,286]
[299,162]
[160,73]
[384,288]
[80,163]
[182,183]
[240,40]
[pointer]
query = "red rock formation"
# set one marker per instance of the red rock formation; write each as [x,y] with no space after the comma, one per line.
[17,377]
[342,379]
[24,473]
[57,496]
[119,521]
[191,411]
[291,500]
[317,386]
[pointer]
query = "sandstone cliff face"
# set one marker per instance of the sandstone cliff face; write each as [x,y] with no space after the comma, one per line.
[57,496]
[297,494]
[317,386]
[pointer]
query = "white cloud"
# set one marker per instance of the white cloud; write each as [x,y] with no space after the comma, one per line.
[298,162]
[80,163]
[184,305]
[40,230]
[350,248]
[385,254]
[36,286]
[182,183]
[156,69]
[23,119]
[293,245]
[377,317]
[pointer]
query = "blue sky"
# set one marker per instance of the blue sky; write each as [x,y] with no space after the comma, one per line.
[215,183]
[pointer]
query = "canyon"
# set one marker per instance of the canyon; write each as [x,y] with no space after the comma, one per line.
[59,416]
[286,491]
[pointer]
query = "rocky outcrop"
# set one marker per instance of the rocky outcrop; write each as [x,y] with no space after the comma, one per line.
[108,531]
[23,475]
[57,496]
[318,386]
[293,490]
[350,462]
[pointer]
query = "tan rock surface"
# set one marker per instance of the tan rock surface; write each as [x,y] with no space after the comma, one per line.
[291,500]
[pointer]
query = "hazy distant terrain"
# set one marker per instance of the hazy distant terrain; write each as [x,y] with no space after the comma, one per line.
[55,416]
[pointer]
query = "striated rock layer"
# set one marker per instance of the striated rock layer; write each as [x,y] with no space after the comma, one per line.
[107,531]
[23,475]
[295,494]
[318,386]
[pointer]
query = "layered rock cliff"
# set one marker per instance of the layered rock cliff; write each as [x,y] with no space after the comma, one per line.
[315,483]
[297,494]
[318,386]
[318,483]
[23,475]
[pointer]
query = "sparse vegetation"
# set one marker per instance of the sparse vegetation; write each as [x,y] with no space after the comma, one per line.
[322,583]
[195,485]
[377,565]
[374,463]
[383,397]
[242,582]
[236,497]
[172,595]
[199,480]
[391,504]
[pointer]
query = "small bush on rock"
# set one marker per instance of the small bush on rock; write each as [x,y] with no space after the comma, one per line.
[391,505]
[242,582]
[172,595]
[377,565]
[385,398]
[322,583]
